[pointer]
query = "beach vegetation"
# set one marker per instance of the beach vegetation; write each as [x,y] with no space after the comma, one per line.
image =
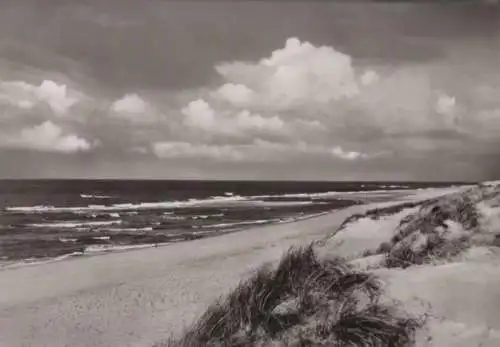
[302,301]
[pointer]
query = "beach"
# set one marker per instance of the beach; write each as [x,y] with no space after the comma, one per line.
[249,174]
[140,297]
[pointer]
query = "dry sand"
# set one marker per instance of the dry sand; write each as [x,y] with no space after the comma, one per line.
[137,298]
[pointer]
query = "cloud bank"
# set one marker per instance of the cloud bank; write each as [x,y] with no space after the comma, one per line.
[300,102]
[301,93]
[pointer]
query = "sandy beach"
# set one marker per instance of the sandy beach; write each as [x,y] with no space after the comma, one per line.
[249,173]
[140,297]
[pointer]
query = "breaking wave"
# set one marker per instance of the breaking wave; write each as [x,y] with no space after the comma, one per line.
[254,222]
[131,208]
[94,196]
[128,206]
[77,224]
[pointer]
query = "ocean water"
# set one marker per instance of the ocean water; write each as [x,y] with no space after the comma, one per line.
[44,219]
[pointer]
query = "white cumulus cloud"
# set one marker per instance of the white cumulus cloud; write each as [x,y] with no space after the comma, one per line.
[190,150]
[26,96]
[369,77]
[299,73]
[48,137]
[200,114]
[236,94]
[247,120]
[130,103]
[339,152]
[302,96]
[55,95]
[445,104]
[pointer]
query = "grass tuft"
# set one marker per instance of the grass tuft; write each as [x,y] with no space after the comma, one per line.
[302,301]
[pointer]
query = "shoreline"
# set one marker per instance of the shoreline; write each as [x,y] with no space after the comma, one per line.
[391,196]
[141,297]
[112,249]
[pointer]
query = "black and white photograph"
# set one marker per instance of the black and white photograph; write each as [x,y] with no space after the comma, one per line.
[243,173]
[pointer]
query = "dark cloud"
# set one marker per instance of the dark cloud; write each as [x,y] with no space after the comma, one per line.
[176,44]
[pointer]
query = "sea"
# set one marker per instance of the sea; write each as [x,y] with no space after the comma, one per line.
[53,219]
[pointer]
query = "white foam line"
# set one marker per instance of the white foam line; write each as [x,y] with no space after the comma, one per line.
[208,216]
[74,224]
[114,248]
[33,262]
[92,196]
[102,237]
[331,193]
[224,225]
[66,240]
[127,206]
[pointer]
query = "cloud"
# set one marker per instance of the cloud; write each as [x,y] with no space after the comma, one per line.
[258,151]
[314,125]
[48,137]
[236,94]
[135,109]
[304,100]
[55,95]
[319,83]
[189,150]
[298,95]
[130,103]
[302,82]
[338,152]
[369,77]
[299,73]
[445,104]
[246,120]
[200,114]
[313,93]
[26,96]
[24,104]
[399,101]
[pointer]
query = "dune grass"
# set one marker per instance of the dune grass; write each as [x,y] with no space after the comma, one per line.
[428,234]
[377,213]
[440,229]
[302,301]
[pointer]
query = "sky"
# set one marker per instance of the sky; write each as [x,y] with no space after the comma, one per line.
[249,90]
